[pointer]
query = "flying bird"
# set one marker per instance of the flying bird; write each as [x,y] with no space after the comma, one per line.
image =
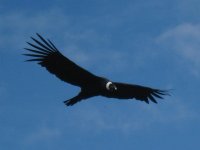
[47,55]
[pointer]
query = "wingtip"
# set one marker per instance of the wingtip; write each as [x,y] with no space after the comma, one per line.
[38,34]
[67,103]
[152,98]
[32,38]
[165,92]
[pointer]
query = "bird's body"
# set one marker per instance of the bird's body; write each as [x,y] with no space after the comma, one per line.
[48,56]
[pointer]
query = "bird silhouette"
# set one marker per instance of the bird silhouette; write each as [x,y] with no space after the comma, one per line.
[47,55]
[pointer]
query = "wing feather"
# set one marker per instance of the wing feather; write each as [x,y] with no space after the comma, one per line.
[35,51]
[54,47]
[129,91]
[48,56]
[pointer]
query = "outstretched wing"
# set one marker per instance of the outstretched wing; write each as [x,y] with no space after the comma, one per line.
[48,56]
[128,91]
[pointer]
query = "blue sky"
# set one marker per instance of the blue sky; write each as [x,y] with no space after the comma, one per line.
[153,43]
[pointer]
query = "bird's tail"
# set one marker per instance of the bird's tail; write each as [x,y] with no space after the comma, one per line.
[72,101]
[78,98]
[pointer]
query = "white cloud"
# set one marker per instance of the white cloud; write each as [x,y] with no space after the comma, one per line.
[175,111]
[184,40]
[43,134]
[81,44]
[15,27]
[109,60]
[138,116]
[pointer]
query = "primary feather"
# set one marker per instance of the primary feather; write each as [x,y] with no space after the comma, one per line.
[129,91]
[48,56]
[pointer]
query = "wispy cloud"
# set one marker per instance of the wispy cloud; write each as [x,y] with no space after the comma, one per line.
[184,41]
[137,117]
[16,26]
[100,60]
[84,45]
[43,134]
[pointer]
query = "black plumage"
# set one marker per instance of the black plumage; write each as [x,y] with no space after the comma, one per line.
[47,55]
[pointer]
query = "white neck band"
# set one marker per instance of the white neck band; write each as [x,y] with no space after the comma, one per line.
[108,84]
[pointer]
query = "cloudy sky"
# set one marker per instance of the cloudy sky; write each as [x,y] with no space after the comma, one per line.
[154,43]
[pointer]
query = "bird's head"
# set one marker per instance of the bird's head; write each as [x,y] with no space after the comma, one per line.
[111,86]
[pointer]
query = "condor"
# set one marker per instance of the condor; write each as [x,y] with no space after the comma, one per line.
[47,55]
